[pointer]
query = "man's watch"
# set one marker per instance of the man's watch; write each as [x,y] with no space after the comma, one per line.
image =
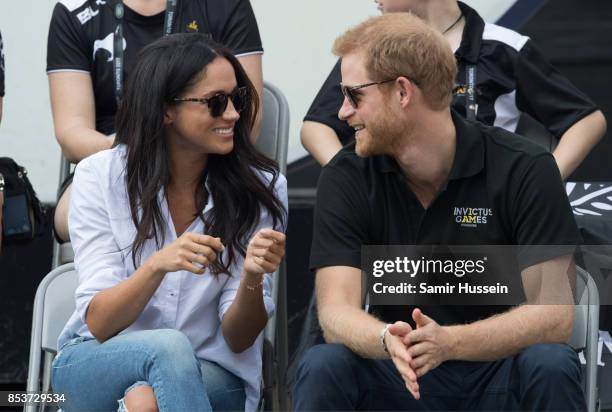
[383,332]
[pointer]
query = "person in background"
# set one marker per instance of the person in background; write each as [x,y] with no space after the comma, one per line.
[415,167]
[174,230]
[83,48]
[511,76]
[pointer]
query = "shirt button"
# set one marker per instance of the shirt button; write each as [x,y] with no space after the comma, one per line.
[172,294]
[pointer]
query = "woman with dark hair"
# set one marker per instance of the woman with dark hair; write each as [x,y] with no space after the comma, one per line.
[86,64]
[174,229]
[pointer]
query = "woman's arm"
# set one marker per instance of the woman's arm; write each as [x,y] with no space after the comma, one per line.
[247,315]
[114,309]
[108,298]
[74,116]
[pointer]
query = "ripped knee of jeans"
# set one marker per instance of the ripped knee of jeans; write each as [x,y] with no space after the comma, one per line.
[121,402]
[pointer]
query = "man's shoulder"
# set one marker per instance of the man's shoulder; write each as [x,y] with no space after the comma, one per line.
[347,162]
[345,157]
[348,172]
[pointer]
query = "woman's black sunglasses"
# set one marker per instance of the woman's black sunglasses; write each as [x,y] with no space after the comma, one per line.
[217,104]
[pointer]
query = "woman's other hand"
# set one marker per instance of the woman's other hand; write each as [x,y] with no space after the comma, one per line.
[265,252]
[191,251]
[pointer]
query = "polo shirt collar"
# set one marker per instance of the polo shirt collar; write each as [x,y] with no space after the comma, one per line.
[469,149]
[469,49]
[469,152]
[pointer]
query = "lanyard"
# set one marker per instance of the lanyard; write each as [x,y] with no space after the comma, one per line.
[118,61]
[471,106]
[118,51]
[169,19]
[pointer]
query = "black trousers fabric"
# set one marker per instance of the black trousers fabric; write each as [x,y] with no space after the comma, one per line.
[544,377]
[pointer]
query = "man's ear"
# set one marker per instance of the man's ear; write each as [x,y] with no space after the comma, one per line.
[406,91]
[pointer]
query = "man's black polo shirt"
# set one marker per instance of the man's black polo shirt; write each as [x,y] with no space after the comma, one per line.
[366,201]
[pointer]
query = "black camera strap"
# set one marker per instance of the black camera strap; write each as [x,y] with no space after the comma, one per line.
[118,60]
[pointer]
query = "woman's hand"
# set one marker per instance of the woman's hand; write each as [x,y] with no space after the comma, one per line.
[191,251]
[265,252]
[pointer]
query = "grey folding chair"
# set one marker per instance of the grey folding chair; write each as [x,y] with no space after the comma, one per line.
[273,137]
[62,253]
[585,334]
[273,142]
[53,305]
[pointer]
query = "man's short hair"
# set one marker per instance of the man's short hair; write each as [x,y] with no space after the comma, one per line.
[401,44]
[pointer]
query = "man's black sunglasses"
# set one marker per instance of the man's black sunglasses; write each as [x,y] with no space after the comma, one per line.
[350,91]
[217,104]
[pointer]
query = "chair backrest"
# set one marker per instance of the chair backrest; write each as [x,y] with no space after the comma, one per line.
[58,306]
[585,334]
[586,298]
[273,142]
[274,135]
[53,305]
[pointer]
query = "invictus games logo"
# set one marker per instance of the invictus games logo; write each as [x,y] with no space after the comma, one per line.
[472,216]
[193,27]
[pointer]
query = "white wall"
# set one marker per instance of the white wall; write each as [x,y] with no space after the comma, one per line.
[297,37]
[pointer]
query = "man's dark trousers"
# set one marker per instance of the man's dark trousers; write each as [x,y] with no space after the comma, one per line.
[544,377]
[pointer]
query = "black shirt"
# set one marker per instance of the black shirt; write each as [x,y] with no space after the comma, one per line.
[366,201]
[1,67]
[82,31]
[512,76]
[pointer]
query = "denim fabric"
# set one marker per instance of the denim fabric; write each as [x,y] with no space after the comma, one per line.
[543,377]
[94,376]
[122,407]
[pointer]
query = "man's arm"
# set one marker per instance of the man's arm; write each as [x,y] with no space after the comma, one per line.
[547,317]
[74,117]
[344,321]
[320,140]
[578,141]
[341,315]
[252,66]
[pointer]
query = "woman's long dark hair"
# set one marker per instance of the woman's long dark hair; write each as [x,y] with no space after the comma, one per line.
[165,69]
